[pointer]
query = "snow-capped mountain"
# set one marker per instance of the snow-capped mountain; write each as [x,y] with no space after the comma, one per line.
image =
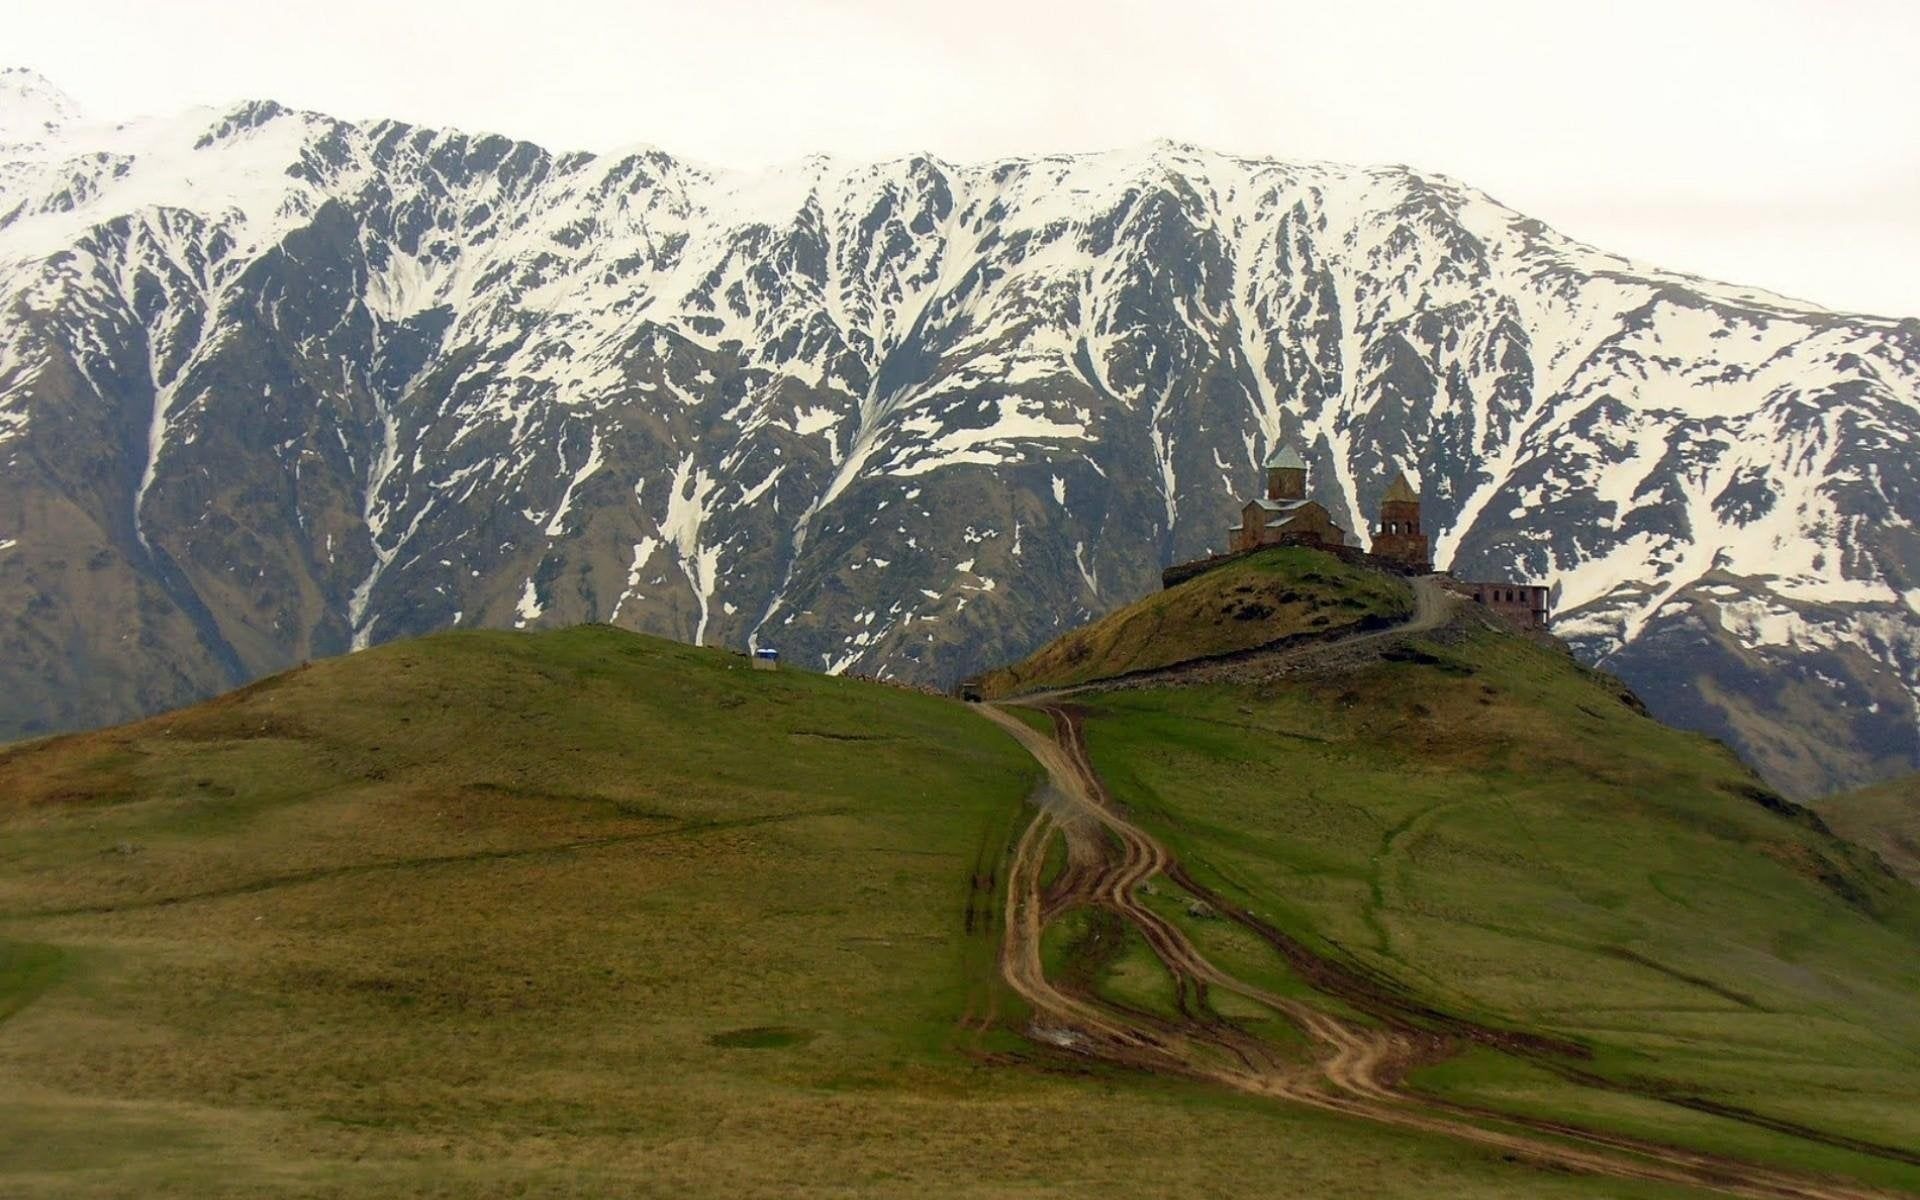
[274,385]
[32,110]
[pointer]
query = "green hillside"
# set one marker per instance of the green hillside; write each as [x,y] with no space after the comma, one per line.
[586,913]
[1285,592]
[1495,835]
[1885,819]
[491,914]
[572,914]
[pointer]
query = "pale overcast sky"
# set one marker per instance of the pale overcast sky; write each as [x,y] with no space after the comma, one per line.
[1765,142]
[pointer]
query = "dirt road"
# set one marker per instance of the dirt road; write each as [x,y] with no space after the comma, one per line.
[1357,1066]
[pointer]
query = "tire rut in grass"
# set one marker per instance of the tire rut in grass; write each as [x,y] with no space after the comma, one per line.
[1361,1067]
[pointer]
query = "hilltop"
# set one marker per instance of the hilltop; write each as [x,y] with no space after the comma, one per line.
[1488,892]
[583,912]
[1262,600]
[490,913]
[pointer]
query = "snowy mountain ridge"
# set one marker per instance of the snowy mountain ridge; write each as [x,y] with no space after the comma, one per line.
[32,109]
[275,385]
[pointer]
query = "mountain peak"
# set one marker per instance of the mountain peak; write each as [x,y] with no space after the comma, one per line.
[31,106]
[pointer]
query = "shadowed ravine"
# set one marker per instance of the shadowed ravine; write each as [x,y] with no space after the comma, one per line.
[1355,1069]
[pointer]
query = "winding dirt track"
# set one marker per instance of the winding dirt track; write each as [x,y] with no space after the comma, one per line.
[1357,1066]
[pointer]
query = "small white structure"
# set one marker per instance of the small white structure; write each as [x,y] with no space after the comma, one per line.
[766,659]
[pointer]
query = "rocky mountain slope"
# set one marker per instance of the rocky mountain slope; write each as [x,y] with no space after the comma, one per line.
[274,385]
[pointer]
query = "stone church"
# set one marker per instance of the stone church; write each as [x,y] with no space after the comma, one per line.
[1284,516]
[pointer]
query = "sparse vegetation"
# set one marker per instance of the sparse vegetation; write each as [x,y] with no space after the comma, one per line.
[1281,593]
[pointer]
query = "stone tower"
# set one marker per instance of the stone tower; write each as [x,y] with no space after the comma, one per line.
[1286,474]
[1399,538]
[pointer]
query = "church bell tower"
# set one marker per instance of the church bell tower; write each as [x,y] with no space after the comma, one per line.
[1399,537]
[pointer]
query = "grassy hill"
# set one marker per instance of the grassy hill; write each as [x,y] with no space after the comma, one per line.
[586,913]
[491,914]
[1884,818]
[1285,592]
[572,914]
[1497,834]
